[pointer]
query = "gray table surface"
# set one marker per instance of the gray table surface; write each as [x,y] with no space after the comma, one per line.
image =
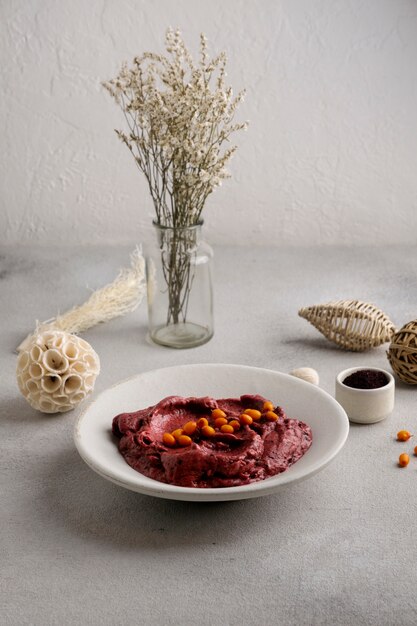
[338,549]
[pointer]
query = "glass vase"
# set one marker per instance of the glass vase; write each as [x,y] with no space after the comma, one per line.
[179,287]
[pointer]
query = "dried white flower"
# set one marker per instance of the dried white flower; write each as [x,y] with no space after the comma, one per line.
[57,371]
[179,113]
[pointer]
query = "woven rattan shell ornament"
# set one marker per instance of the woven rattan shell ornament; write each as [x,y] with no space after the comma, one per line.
[402,353]
[351,324]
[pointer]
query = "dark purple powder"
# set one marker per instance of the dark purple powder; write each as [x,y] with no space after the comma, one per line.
[366,379]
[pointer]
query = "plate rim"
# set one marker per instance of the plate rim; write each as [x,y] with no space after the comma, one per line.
[196,494]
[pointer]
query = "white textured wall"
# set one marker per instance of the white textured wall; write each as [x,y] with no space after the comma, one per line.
[330,155]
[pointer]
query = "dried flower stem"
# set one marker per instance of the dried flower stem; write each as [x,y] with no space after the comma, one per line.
[178,113]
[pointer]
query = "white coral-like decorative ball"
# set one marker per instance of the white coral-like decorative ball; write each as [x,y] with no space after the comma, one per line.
[57,371]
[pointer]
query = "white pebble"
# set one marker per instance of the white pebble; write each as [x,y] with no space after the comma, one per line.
[307,374]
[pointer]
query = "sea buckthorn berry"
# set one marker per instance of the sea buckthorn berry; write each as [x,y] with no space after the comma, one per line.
[415,450]
[208,431]
[245,419]
[168,439]
[268,406]
[227,428]
[271,416]
[177,433]
[220,421]
[202,422]
[189,428]
[185,440]
[404,460]
[235,424]
[403,435]
[255,415]
[217,413]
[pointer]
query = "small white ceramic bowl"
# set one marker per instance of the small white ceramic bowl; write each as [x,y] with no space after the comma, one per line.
[365,406]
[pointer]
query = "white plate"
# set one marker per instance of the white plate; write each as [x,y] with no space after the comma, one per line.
[299,399]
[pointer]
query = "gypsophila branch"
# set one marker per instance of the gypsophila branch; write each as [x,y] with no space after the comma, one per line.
[179,115]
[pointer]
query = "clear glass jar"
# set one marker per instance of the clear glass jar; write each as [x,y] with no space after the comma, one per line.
[179,284]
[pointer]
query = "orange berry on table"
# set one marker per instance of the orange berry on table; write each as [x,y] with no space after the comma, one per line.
[189,428]
[415,450]
[234,424]
[208,431]
[185,440]
[202,422]
[271,416]
[403,435]
[220,421]
[217,413]
[254,414]
[268,406]
[168,439]
[245,419]
[404,460]
[177,433]
[226,428]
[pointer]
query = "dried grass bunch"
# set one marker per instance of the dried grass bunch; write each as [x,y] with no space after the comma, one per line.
[117,298]
[179,114]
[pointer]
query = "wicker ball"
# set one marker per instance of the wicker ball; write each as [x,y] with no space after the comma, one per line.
[402,353]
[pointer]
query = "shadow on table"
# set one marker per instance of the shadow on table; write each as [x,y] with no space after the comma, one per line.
[120,332]
[15,410]
[86,505]
[318,343]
